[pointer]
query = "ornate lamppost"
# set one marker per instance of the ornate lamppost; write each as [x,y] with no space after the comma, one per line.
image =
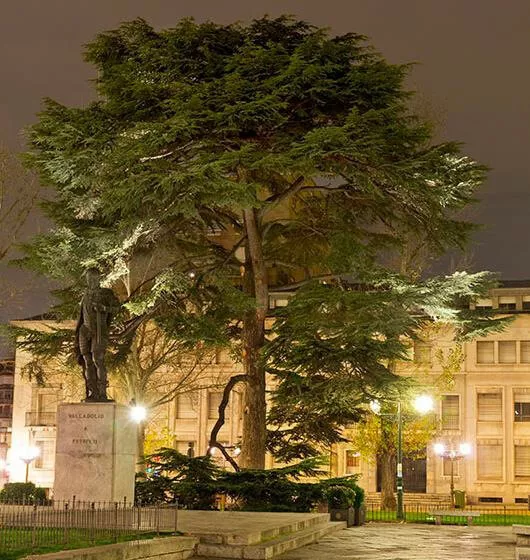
[453,454]
[28,454]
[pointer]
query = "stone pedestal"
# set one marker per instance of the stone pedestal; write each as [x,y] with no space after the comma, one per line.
[95,454]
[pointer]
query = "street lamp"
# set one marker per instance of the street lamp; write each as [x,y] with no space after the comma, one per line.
[422,404]
[28,454]
[453,455]
[138,413]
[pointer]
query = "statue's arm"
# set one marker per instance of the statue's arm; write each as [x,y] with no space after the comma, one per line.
[112,305]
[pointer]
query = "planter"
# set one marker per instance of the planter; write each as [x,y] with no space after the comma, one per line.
[347,515]
[359,516]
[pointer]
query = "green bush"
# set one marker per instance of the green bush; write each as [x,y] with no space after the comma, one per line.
[347,482]
[170,476]
[195,482]
[22,493]
[340,497]
[273,489]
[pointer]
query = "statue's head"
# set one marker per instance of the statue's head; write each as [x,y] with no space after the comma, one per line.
[93,277]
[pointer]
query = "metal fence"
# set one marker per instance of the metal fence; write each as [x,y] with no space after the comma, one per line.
[53,525]
[424,513]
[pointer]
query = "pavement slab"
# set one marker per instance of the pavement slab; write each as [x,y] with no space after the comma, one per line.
[379,541]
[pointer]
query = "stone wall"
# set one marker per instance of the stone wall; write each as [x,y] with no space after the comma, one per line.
[167,548]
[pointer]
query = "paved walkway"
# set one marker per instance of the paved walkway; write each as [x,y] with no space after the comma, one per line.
[379,541]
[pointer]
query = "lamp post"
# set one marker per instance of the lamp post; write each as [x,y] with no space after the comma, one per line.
[453,455]
[138,414]
[29,454]
[422,404]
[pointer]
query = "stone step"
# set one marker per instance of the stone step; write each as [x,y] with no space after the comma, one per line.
[269,548]
[311,521]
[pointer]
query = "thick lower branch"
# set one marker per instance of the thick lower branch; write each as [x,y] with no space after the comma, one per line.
[232,382]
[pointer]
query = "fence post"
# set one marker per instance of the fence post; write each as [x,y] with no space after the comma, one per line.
[115,521]
[505,515]
[33,527]
[92,519]
[66,523]
[139,510]
[176,514]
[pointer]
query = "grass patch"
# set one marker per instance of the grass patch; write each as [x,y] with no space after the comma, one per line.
[489,518]
[20,541]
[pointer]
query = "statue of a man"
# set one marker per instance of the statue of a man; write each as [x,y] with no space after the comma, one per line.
[92,335]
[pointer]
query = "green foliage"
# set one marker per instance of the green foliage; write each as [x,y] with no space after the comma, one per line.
[340,497]
[199,124]
[274,489]
[170,476]
[335,345]
[195,482]
[22,493]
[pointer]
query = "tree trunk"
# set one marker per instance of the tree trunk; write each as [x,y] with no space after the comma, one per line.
[253,445]
[387,465]
[387,461]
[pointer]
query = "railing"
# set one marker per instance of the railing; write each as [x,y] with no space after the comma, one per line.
[41,418]
[29,528]
[423,513]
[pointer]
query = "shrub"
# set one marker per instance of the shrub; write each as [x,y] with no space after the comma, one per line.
[270,490]
[22,493]
[348,482]
[195,482]
[171,476]
[340,497]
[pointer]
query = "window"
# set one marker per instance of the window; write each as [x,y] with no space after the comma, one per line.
[525,352]
[450,412]
[489,407]
[483,304]
[47,402]
[422,353]
[45,459]
[526,302]
[507,352]
[521,406]
[353,460]
[489,461]
[485,352]
[507,302]
[447,467]
[522,461]
[187,405]
[214,400]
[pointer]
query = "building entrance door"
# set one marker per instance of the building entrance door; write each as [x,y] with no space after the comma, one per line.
[414,475]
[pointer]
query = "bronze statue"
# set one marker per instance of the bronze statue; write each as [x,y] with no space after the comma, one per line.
[92,335]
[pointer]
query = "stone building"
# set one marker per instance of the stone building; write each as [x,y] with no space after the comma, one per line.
[7,369]
[487,406]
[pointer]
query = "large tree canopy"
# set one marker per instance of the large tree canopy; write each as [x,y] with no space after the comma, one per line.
[239,159]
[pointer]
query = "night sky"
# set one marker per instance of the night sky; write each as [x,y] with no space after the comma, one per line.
[472,74]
